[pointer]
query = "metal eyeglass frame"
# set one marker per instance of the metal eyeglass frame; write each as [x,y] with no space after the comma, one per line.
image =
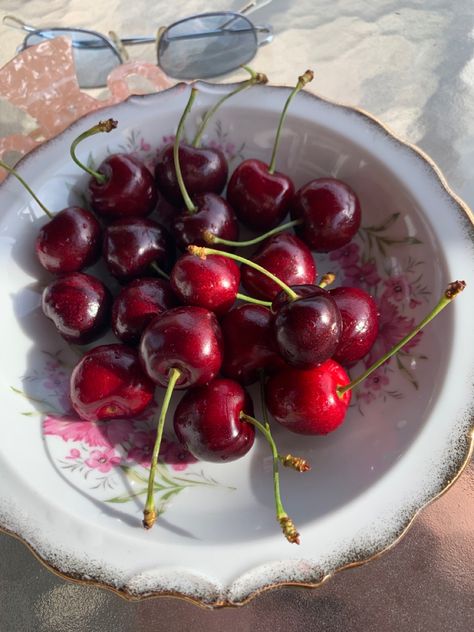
[117,45]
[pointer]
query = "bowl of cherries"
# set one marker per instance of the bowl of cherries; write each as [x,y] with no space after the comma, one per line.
[216,372]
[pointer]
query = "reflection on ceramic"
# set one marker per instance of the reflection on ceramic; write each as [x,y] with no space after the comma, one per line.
[75,490]
[52,100]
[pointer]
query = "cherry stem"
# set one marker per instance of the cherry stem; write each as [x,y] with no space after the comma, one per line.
[159,271]
[302,81]
[251,299]
[102,126]
[33,195]
[286,523]
[210,238]
[449,294]
[202,252]
[255,77]
[149,513]
[192,208]
[327,279]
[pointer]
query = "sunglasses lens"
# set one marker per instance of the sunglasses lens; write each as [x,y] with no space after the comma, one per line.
[93,55]
[207,45]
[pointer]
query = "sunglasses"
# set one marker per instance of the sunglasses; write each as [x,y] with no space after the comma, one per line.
[197,47]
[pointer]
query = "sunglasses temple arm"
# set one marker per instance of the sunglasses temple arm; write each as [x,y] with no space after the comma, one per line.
[16,23]
[252,6]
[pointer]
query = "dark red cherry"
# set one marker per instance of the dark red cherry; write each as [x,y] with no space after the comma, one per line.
[306,402]
[307,329]
[204,170]
[212,282]
[212,214]
[285,256]
[70,241]
[249,343]
[207,421]
[137,304]
[188,339]
[330,214]
[131,245]
[79,306]
[109,383]
[260,199]
[360,325]
[128,191]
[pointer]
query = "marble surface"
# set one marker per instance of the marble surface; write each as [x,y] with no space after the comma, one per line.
[411,64]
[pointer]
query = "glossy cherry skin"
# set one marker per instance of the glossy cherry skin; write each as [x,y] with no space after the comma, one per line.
[285,256]
[70,241]
[109,383]
[131,245]
[185,338]
[360,325]
[137,304]
[204,170]
[249,343]
[330,211]
[207,421]
[306,402]
[308,329]
[129,190]
[79,306]
[213,214]
[260,199]
[212,282]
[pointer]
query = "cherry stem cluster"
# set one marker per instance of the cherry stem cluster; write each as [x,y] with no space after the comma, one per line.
[102,126]
[255,78]
[201,251]
[210,238]
[286,523]
[33,195]
[302,81]
[149,513]
[448,295]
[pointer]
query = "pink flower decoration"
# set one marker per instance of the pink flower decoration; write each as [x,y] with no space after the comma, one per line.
[142,449]
[74,454]
[366,396]
[103,461]
[397,288]
[366,274]
[393,326]
[94,434]
[347,256]
[375,381]
[176,455]
[144,146]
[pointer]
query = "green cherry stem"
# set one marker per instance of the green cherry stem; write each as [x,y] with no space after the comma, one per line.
[448,295]
[302,81]
[288,528]
[251,299]
[202,252]
[255,78]
[102,126]
[33,195]
[159,271]
[210,238]
[192,208]
[149,513]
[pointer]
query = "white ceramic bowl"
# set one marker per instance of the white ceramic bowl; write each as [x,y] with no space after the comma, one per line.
[73,490]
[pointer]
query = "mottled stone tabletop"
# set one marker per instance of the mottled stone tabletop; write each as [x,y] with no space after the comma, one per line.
[411,64]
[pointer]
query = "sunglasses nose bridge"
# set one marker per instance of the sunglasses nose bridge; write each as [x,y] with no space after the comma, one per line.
[264,34]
